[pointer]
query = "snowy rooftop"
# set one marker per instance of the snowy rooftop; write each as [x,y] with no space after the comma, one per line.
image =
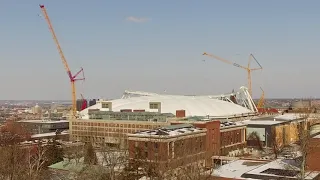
[44,121]
[317,136]
[261,122]
[251,169]
[288,117]
[50,134]
[193,105]
[173,130]
[273,120]
[229,124]
[273,168]
[236,168]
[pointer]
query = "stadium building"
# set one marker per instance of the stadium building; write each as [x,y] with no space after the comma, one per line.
[110,121]
[225,106]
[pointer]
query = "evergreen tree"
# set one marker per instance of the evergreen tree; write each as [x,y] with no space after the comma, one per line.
[54,153]
[90,157]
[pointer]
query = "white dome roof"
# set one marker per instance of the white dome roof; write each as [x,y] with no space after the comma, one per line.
[193,105]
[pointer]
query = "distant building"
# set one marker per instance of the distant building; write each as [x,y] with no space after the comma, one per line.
[44,126]
[301,104]
[112,127]
[36,109]
[81,104]
[92,102]
[231,105]
[280,129]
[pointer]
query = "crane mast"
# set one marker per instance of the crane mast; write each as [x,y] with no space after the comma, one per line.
[261,101]
[72,78]
[248,69]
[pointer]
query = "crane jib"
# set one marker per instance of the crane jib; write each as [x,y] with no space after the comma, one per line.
[235,64]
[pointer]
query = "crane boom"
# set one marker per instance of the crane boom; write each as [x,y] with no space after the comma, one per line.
[223,60]
[64,61]
[248,69]
[72,78]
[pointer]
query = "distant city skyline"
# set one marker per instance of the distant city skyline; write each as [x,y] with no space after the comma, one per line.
[157,45]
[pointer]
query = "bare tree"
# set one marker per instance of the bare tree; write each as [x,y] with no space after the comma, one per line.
[255,139]
[277,144]
[13,163]
[194,171]
[75,153]
[93,172]
[36,160]
[308,117]
[303,141]
[113,159]
[13,157]
[90,156]
[53,152]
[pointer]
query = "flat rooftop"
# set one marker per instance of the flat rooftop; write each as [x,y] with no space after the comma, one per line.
[288,117]
[229,124]
[50,134]
[236,168]
[261,122]
[273,120]
[44,121]
[278,169]
[317,136]
[282,117]
[259,169]
[170,131]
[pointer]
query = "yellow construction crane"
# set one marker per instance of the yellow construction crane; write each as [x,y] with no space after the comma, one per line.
[248,69]
[72,78]
[261,100]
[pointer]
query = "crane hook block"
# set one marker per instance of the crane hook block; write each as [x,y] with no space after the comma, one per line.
[41,6]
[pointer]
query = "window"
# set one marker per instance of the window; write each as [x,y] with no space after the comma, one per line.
[154,105]
[105,105]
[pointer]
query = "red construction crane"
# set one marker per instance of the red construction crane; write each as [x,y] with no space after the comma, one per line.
[72,78]
[84,103]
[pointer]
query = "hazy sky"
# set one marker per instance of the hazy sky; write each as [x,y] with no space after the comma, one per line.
[157,45]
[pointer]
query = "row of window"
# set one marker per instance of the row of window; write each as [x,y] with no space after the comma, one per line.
[231,137]
[125,125]
[102,134]
[90,129]
[94,139]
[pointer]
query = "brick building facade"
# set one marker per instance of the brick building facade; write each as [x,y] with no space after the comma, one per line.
[221,138]
[169,147]
[232,137]
[313,154]
[212,139]
[113,132]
